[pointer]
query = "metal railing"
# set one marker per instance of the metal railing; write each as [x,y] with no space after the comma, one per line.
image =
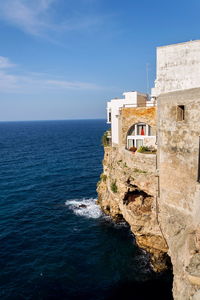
[140,105]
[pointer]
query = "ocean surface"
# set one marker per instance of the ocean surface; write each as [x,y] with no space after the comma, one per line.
[51,246]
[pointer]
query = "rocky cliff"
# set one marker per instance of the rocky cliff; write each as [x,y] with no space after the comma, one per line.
[127,190]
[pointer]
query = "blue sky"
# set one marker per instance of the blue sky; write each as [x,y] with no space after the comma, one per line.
[63,59]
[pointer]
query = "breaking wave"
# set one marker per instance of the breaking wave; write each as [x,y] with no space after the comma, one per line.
[85,207]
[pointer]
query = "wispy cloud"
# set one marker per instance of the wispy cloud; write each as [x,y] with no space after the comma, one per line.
[10,82]
[30,16]
[71,85]
[5,63]
[39,17]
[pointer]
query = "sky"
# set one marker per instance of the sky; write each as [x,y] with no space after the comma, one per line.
[64,59]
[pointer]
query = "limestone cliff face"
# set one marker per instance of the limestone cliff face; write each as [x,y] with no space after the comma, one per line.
[127,190]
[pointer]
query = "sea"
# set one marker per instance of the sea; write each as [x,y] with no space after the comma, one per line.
[55,242]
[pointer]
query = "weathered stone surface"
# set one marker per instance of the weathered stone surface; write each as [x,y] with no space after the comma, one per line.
[132,115]
[162,206]
[179,201]
[135,200]
[196,296]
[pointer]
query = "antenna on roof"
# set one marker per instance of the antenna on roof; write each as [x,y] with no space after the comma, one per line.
[147,77]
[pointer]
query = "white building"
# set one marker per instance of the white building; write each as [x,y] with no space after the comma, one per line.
[178,67]
[131,99]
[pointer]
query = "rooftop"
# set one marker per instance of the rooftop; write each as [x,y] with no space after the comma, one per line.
[177,44]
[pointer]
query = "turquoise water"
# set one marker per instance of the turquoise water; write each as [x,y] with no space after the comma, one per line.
[50,246]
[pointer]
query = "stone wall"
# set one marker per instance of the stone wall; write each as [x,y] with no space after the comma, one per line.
[179,191]
[132,115]
[141,100]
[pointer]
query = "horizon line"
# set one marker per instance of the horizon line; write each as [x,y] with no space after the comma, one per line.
[46,120]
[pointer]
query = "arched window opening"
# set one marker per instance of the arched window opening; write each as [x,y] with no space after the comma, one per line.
[140,129]
[137,134]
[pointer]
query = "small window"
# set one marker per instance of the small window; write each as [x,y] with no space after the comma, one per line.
[180,113]
[149,129]
[109,117]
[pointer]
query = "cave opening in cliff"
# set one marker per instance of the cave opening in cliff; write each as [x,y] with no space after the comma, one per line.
[131,196]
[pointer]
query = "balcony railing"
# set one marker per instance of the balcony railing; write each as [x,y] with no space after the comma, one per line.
[140,105]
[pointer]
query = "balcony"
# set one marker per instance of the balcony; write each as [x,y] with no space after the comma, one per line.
[140,135]
[145,104]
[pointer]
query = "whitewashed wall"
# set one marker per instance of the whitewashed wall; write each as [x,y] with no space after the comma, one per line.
[178,67]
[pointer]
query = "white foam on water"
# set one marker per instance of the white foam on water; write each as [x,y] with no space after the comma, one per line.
[85,207]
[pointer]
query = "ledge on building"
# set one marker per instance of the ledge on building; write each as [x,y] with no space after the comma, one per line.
[140,154]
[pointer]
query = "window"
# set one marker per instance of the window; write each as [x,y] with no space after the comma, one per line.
[134,143]
[109,117]
[130,144]
[137,134]
[180,113]
[141,129]
[139,143]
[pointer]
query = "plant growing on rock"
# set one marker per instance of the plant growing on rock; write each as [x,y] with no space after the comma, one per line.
[119,161]
[138,170]
[103,177]
[113,187]
[145,149]
[105,140]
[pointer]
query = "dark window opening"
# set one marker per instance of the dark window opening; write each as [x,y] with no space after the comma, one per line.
[109,117]
[149,130]
[180,113]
